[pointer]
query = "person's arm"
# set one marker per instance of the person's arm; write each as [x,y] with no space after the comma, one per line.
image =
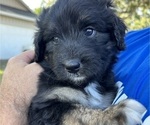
[18,86]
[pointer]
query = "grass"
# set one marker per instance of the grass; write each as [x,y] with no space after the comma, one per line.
[2,67]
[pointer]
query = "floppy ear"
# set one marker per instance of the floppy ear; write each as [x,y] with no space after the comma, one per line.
[118,33]
[39,47]
[38,40]
[118,27]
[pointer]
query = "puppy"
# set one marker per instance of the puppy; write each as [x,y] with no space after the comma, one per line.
[76,44]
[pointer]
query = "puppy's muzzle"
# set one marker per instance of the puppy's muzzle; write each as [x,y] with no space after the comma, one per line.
[73,65]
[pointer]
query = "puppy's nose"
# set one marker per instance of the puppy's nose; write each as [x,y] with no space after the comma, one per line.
[72,66]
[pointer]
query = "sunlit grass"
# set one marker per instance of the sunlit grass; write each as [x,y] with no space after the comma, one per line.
[1,72]
[2,67]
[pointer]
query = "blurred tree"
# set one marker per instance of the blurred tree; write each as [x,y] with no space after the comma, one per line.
[44,4]
[135,13]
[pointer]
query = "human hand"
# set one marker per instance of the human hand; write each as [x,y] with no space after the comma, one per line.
[19,83]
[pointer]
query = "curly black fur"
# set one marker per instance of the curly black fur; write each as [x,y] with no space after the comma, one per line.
[61,37]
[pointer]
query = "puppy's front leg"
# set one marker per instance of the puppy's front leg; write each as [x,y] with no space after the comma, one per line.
[128,112]
[83,116]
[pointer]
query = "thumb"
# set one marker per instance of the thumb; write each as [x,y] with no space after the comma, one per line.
[34,67]
[26,57]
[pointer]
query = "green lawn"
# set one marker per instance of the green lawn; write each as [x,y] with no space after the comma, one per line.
[2,67]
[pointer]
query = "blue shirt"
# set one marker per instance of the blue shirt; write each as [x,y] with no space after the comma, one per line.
[133,67]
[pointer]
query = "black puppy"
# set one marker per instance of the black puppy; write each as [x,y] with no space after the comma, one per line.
[76,44]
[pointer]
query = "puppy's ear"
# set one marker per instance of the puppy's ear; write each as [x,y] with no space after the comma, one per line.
[118,33]
[39,47]
[39,40]
[118,27]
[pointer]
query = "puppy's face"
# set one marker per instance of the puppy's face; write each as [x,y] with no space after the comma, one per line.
[79,39]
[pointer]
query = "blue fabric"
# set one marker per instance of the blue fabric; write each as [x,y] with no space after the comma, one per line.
[133,67]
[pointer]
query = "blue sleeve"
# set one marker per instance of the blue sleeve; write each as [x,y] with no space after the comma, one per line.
[133,67]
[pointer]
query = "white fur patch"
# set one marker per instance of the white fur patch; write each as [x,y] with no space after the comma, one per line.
[134,112]
[95,99]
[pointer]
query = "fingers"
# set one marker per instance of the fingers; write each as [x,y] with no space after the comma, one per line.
[23,61]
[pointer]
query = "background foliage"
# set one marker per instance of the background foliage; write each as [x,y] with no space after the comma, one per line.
[135,13]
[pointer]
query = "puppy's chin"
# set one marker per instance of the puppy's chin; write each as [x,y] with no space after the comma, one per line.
[76,78]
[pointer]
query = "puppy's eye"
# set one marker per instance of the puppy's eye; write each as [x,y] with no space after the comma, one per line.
[55,40]
[89,32]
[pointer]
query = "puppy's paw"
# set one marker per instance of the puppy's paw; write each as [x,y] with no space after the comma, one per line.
[133,111]
[129,112]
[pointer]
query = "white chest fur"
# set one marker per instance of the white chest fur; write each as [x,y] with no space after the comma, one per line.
[89,97]
[95,99]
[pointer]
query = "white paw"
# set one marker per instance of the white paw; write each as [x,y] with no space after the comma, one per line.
[133,111]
